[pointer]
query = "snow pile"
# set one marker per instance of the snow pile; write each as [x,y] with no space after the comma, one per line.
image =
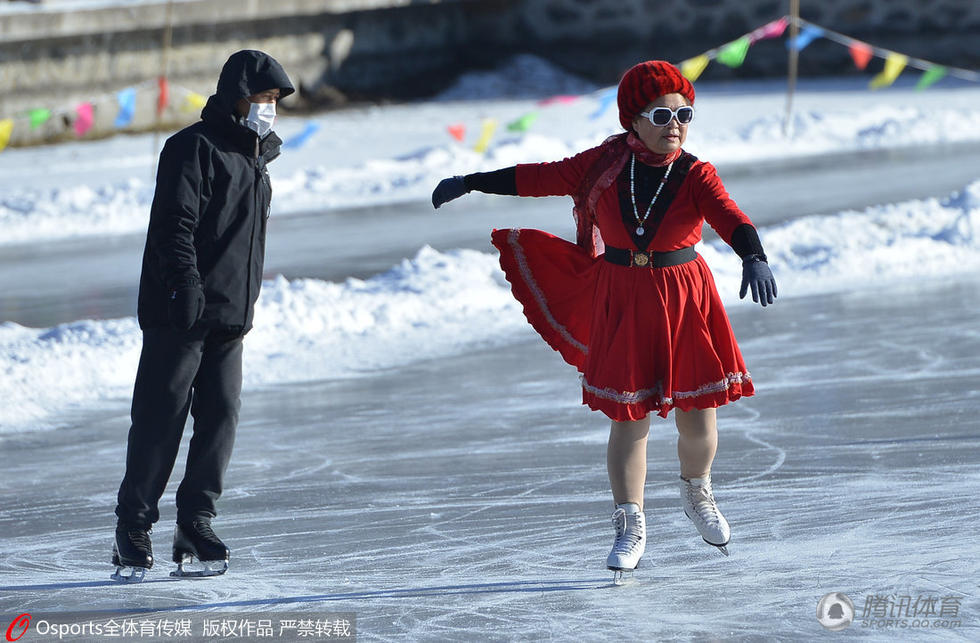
[440,303]
[918,239]
[522,76]
[383,155]
[304,330]
[839,130]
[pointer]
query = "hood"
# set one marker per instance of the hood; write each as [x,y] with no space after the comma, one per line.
[249,72]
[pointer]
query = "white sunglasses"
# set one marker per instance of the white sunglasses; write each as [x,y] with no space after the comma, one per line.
[660,116]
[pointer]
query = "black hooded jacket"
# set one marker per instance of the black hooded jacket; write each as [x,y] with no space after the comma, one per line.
[208,217]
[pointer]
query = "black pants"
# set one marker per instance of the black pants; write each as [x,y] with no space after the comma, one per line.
[198,371]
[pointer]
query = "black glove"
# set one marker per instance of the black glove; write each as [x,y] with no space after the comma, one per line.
[756,273]
[186,307]
[447,190]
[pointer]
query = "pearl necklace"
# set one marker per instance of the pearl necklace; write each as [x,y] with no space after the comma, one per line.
[663,181]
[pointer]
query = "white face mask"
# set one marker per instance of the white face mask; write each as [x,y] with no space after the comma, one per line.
[261,117]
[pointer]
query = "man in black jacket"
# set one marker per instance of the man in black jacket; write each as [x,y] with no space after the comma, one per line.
[202,270]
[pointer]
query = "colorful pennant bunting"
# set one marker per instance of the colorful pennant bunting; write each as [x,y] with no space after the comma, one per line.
[805,37]
[523,123]
[772,29]
[861,53]
[127,107]
[194,102]
[84,118]
[6,129]
[605,100]
[894,64]
[930,76]
[489,127]
[163,97]
[562,99]
[733,54]
[457,131]
[301,139]
[693,67]
[38,117]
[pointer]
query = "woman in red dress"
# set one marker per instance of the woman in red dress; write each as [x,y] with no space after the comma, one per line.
[631,304]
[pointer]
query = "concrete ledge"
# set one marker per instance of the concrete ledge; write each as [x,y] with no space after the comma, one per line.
[26,26]
[349,50]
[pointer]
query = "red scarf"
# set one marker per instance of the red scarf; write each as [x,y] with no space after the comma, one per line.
[603,172]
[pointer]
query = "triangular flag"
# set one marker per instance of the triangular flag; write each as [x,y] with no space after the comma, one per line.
[930,76]
[127,107]
[84,118]
[457,131]
[861,53]
[808,35]
[39,117]
[894,64]
[300,139]
[733,54]
[193,102]
[489,127]
[693,67]
[6,129]
[605,100]
[773,29]
[523,123]
[563,99]
[163,98]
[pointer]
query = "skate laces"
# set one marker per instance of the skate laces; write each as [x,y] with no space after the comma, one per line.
[139,538]
[629,533]
[203,529]
[702,500]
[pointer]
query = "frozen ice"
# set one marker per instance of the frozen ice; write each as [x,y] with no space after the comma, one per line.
[410,451]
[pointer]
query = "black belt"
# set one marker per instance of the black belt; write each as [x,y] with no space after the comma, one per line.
[639,259]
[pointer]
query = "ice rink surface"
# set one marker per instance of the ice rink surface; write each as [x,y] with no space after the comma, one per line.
[457,490]
[466,498]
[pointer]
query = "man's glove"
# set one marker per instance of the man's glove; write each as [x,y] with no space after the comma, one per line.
[186,307]
[447,190]
[757,275]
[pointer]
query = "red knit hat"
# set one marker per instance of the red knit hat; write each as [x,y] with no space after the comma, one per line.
[644,83]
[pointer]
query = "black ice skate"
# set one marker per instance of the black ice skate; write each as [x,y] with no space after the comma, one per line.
[198,551]
[132,554]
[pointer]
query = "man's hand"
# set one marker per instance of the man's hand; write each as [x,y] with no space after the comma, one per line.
[186,307]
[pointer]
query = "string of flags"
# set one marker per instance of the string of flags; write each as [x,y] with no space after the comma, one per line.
[80,117]
[733,54]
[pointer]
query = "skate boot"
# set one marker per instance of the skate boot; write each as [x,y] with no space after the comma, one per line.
[198,551]
[699,505]
[631,540]
[132,553]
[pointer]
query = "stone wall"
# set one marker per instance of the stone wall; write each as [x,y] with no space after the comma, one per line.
[342,50]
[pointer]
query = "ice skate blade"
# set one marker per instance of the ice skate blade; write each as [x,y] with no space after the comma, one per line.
[722,548]
[622,576]
[200,569]
[136,574]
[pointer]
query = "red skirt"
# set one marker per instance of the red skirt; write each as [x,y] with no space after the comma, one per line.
[645,340]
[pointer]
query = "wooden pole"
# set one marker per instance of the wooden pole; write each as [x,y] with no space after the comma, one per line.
[794,55]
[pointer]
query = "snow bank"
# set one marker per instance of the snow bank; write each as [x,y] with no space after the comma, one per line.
[440,303]
[382,155]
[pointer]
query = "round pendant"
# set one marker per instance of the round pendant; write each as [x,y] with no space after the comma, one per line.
[639,231]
